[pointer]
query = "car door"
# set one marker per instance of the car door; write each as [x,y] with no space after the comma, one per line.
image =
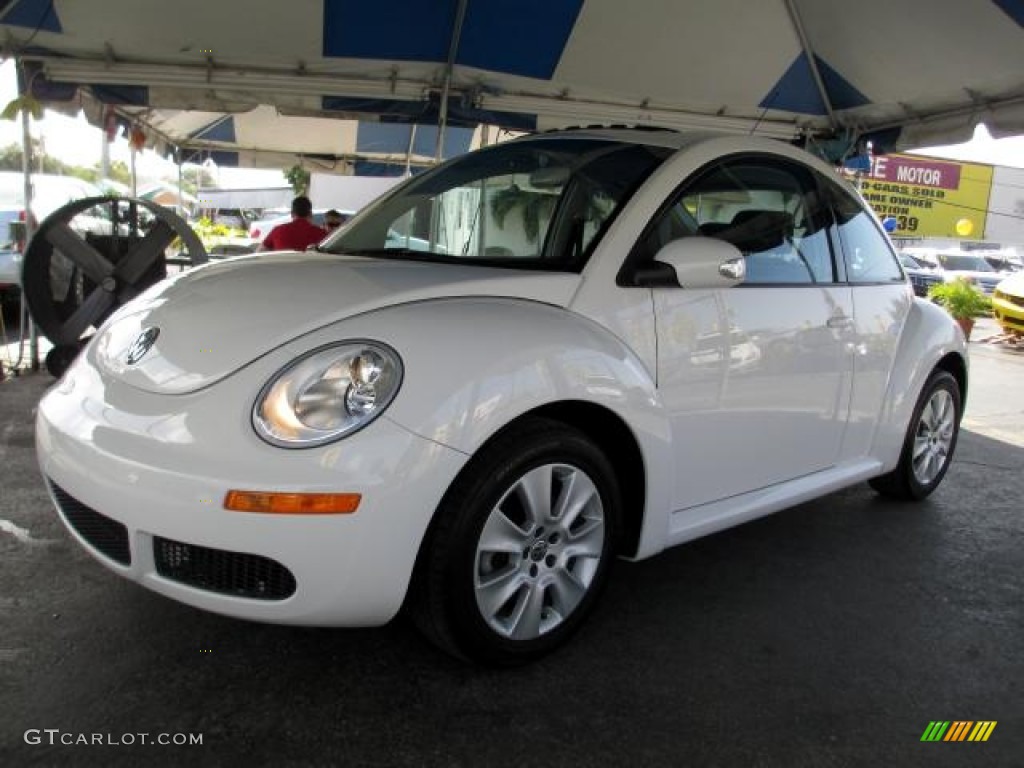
[881,302]
[756,378]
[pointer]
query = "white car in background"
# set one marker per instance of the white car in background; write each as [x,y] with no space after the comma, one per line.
[585,345]
[959,265]
[50,192]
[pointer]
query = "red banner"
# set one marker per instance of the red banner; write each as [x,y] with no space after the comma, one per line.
[922,173]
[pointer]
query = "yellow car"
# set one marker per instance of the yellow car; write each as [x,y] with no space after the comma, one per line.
[1008,303]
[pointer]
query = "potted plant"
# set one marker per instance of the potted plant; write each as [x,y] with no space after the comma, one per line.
[962,300]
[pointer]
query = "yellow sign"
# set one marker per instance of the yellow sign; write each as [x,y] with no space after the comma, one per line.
[929,197]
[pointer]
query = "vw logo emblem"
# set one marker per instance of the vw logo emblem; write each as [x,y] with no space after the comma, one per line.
[141,345]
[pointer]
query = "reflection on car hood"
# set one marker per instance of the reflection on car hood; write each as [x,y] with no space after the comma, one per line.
[218,318]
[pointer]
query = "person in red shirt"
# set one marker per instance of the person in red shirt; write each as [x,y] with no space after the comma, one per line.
[299,233]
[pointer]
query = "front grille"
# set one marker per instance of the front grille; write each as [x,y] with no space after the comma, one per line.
[217,570]
[1009,322]
[105,535]
[1018,300]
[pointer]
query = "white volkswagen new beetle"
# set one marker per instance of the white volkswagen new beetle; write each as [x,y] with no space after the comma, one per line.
[496,379]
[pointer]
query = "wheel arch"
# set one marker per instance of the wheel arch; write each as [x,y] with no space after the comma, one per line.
[614,438]
[930,341]
[617,441]
[957,366]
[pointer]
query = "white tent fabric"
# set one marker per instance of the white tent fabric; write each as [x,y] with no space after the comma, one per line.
[902,72]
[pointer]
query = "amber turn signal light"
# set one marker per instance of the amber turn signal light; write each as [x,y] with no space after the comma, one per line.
[292,503]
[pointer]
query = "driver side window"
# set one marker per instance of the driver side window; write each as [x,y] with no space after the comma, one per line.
[769,208]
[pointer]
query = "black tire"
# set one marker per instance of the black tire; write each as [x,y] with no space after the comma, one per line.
[903,483]
[453,567]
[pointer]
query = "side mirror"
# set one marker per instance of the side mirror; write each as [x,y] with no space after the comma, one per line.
[704,262]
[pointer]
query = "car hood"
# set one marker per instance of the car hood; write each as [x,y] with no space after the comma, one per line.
[1012,285]
[218,318]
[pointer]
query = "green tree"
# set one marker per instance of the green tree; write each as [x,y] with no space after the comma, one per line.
[298,177]
[120,172]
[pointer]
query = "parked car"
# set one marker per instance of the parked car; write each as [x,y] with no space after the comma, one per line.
[1008,303]
[648,338]
[50,192]
[956,265]
[1002,262]
[260,227]
[922,277]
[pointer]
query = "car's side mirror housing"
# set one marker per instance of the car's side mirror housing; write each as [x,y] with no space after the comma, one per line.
[703,262]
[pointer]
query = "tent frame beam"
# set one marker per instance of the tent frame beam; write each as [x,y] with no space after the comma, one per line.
[812,62]
[449,69]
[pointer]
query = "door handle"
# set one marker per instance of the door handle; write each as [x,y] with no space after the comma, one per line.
[839,321]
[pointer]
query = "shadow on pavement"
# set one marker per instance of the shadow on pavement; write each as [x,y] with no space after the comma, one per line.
[828,634]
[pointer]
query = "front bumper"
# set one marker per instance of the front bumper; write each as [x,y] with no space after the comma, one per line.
[155,470]
[1008,311]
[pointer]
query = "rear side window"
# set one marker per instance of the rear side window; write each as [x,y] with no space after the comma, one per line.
[869,257]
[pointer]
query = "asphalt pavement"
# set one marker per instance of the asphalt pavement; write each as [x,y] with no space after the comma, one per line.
[830,634]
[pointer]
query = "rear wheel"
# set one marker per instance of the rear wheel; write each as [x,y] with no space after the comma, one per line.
[929,444]
[521,546]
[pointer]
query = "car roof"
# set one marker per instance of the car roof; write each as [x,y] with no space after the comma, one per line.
[657,137]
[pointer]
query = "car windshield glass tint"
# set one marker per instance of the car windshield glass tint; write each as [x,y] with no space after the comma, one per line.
[539,204]
[964,263]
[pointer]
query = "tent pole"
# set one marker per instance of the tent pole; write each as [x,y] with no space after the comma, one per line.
[181,197]
[812,62]
[134,177]
[442,121]
[104,156]
[408,151]
[30,225]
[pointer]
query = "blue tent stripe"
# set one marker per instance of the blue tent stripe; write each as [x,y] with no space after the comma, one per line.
[384,138]
[456,140]
[1013,8]
[406,30]
[519,37]
[796,90]
[516,37]
[393,138]
[370,168]
[221,130]
[34,14]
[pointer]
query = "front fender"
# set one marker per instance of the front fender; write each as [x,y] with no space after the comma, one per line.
[473,365]
[928,336]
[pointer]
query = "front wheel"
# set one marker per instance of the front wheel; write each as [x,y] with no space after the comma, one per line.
[930,441]
[521,546]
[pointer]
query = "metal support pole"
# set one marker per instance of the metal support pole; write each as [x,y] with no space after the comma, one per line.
[30,224]
[408,150]
[453,49]
[104,156]
[812,62]
[134,179]
[181,195]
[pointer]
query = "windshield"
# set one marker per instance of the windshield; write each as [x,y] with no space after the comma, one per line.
[964,263]
[537,204]
[910,262]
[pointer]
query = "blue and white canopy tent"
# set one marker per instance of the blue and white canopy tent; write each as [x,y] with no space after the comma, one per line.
[900,72]
[831,74]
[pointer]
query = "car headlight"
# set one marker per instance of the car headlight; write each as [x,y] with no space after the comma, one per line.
[327,394]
